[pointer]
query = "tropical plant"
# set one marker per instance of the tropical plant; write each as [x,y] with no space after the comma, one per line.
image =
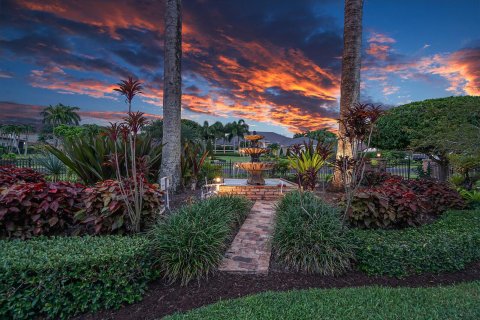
[309,236]
[38,208]
[87,156]
[9,156]
[350,80]
[172,94]
[464,164]
[10,175]
[13,132]
[53,166]
[129,88]
[236,129]
[193,158]
[60,114]
[358,123]
[307,161]
[472,197]
[105,211]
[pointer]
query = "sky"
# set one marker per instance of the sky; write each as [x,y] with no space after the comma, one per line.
[274,63]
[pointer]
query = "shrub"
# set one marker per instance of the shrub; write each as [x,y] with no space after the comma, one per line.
[472,197]
[448,244]
[105,209]
[309,236]
[61,277]
[374,178]
[11,174]
[191,242]
[32,209]
[400,203]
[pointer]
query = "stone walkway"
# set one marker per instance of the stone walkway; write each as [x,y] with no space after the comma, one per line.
[250,250]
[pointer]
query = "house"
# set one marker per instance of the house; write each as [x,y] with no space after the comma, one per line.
[270,138]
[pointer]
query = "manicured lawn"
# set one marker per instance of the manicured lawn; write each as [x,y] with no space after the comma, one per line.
[453,302]
[233,158]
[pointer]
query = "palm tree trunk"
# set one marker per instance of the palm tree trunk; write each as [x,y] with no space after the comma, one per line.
[351,63]
[172,93]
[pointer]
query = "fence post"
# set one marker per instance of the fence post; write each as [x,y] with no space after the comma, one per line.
[408,168]
[231,168]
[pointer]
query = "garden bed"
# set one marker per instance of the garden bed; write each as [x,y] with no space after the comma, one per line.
[162,299]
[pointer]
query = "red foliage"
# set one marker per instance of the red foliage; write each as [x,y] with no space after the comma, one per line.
[11,174]
[398,203]
[105,210]
[32,209]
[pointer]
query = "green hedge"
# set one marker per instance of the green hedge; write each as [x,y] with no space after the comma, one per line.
[191,242]
[61,277]
[448,244]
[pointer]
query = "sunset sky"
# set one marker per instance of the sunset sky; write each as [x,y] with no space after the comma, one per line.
[274,63]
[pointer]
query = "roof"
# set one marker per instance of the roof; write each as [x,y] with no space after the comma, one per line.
[273,137]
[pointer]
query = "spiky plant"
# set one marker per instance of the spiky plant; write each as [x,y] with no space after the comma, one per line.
[129,88]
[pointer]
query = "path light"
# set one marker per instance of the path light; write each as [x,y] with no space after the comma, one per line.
[379,155]
[218,180]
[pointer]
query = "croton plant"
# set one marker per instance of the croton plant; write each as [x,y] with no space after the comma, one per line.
[392,202]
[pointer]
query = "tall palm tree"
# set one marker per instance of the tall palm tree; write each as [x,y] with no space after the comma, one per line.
[129,88]
[172,93]
[218,132]
[351,63]
[26,130]
[236,130]
[60,114]
[206,132]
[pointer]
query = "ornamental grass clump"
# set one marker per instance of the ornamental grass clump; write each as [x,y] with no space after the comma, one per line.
[310,236]
[191,242]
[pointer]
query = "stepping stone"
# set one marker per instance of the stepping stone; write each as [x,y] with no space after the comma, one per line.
[250,250]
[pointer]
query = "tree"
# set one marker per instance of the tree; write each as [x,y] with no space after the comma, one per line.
[190,130]
[60,114]
[435,127]
[236,130]
[206,132]
[26,130]
[13,131]
[129,88]
[218,132]
[321,135]
[351,63]
[172,93]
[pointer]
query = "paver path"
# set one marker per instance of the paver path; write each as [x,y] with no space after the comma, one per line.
[250,250]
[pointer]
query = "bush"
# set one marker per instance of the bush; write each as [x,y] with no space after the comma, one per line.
[191,242]
[309,236]
[448,244]
[61,277]
[399,203]
[33,209]
[11,174]
[106,213]
[472,197]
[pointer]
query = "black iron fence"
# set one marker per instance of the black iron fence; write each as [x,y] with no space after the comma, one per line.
[407,168]
[37,165]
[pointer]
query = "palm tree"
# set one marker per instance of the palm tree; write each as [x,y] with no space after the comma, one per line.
[236,130]
[206,132]
[172,93]
[26,129]
[60,114]
[351,63]
[129,88]
[218,132]
[13,131]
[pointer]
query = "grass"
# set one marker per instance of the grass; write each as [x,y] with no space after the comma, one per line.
[452,302]
[233,158]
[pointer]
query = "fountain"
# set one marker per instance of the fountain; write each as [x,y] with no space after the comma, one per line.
[255,187]
[255,167]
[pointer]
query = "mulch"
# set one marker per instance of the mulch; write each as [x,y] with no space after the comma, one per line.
[163,299]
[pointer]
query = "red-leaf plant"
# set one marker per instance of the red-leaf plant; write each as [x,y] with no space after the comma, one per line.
[105,207]
[132,185]
[358,122]
[43,208]
[10,175]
